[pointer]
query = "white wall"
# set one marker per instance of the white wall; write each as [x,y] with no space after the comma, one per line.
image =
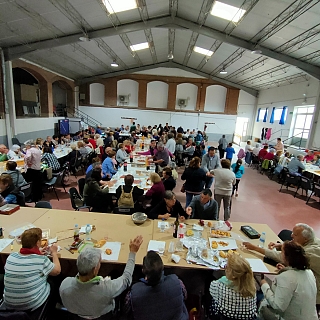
[27,125]
[222,123]
[187,91]
[175,72]
[128,87]
[97,94]
[157,95]
[247,109]
[215,98]
[290,96]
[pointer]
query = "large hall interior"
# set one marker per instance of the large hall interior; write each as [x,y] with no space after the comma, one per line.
[155,90]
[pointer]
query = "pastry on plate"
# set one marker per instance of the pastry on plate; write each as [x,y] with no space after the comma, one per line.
[100,243]
[108,252]
[214,245]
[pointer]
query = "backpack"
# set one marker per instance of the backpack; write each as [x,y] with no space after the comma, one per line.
[126,199]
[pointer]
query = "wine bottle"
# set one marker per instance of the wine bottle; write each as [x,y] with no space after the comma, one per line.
[175,227]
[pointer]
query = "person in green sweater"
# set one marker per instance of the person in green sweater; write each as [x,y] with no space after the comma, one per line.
[3,152]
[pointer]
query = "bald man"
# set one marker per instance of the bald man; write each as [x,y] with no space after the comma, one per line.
[3,153]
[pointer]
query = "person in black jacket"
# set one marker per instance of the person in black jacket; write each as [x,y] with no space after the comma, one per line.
[167,179]
[195,179]
[168,207]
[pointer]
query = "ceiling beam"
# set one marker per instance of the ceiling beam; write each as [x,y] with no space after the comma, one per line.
[170,64]
[18,51]
[15,52]
[312,70]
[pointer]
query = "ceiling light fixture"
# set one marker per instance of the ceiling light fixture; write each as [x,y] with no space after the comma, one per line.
[114,6]
[227,12]
[114,64]
[170,55]
[205,52]
[139,46]
[84,38]
[256,51]
[223,71]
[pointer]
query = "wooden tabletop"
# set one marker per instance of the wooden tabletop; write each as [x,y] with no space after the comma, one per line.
[20,218]
[239,236]
[113,227]
[119,228]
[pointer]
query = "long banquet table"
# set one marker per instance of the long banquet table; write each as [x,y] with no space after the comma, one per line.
[114,228]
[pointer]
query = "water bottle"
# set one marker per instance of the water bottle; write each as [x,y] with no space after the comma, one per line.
[162,225]
[262,240]
[76,233]
[88,232]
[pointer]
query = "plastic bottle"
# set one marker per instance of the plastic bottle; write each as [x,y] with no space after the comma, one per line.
[88,232]
[142,146]
[162,225]
[76,233]
[125,166]
[180,231]
[131,157]
[262,240]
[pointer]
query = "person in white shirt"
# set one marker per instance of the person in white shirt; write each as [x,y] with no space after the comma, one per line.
[171,143]
[224,181]
[256,150]
[248,147]
[294,290]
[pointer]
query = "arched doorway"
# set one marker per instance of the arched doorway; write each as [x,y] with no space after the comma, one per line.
[26,93]
[63,98]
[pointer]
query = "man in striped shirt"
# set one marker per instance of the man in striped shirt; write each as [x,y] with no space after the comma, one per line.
[26,273]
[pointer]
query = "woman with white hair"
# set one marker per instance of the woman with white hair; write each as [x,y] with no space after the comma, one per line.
[91,296]
[14,152]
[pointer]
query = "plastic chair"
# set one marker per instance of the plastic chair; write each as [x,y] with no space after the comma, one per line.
[55,182]
[304,184]
[26,189]
[43,204]
[81,183]
[315,191]
[16,141]
[21,201]
[75,167]
[76,200]
[290,180]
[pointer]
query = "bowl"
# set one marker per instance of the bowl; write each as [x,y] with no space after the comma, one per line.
[139,217]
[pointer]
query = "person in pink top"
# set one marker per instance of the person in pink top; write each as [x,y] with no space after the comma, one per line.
[269,155]
[153,150]
[156,192]
[309,157]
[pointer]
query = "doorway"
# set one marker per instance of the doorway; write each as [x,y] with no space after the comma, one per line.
[240,133]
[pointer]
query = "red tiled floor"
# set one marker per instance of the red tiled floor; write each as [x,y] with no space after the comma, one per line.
[259,201]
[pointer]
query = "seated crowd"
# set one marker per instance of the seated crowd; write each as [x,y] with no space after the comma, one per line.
[30,276]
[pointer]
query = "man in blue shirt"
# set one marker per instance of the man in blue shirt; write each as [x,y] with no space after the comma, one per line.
[296,165]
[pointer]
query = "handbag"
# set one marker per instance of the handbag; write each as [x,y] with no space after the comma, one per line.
[183,188]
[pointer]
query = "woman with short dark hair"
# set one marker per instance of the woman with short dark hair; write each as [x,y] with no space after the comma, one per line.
[293,292]
[145,300]
[50,159]
[195,179]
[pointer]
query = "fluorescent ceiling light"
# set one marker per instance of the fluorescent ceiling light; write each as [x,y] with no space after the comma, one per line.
[170,55]
[114,6]
[139,46]
[223,71]
[225,11]
[114,64]
[206,52]
[84,38]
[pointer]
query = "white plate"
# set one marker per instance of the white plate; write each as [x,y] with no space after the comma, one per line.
[232,244]
[197,227]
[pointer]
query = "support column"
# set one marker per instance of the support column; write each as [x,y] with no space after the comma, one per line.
[231,106]
[10,113]
[111,92]
[76,97]
[142,95]
[172,93]
[50,100]
[201,99]
[314,137]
